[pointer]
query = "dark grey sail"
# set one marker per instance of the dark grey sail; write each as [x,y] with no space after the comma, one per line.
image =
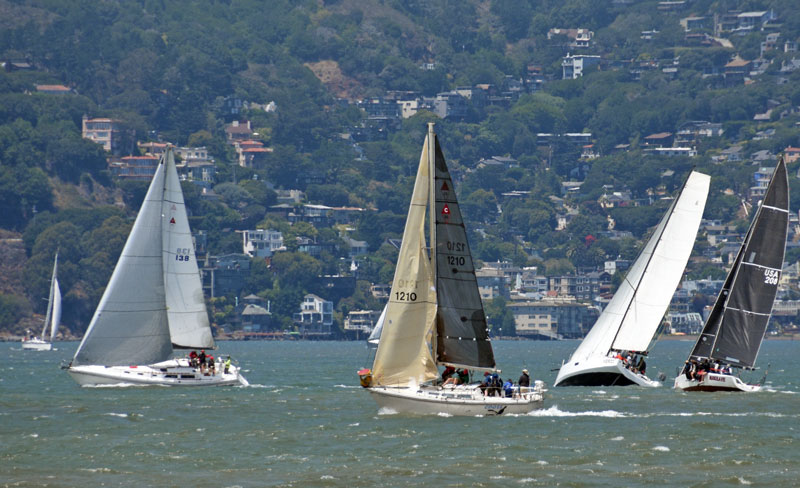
[461,327]
[737,324]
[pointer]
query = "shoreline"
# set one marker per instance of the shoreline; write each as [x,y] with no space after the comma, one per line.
[688,338]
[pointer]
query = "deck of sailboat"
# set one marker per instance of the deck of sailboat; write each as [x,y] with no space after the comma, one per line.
[459,400]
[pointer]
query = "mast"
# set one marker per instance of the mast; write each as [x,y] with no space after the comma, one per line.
[431,155]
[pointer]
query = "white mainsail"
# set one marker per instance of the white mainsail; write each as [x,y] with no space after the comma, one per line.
[633,315]
[154,297]
[404,357]
[189,327]
[53,316]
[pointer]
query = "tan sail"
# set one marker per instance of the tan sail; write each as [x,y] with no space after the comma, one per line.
[404,355]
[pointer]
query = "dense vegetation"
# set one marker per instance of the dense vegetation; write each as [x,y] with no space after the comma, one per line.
[167,69]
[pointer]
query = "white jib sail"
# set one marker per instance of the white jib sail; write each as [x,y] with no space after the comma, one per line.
[188,320]
[636,310]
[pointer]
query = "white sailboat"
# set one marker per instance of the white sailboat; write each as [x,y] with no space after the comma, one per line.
[435,315]
[52,318]
[735,328]
[613,351]
[375,336]
[153,303]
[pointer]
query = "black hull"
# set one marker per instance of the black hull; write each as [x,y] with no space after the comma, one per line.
[596,379]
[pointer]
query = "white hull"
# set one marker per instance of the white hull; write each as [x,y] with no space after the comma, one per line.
[168,373]
[714,382]
[459,400]
[600,371]
[36,345]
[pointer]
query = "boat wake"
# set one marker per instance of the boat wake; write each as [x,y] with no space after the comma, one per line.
[116,385]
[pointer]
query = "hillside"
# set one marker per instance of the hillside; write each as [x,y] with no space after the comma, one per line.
[557,118]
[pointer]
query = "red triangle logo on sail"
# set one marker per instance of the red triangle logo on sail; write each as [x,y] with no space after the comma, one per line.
[446,210]
[445,187]
[172,220]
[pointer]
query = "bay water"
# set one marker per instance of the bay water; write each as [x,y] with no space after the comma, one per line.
[305,422]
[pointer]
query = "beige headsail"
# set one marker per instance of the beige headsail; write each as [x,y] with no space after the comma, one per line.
[404,355]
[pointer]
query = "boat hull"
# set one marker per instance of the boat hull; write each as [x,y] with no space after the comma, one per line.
[601,371]
[37,345]
[465,400]
[714,382]
[167,373]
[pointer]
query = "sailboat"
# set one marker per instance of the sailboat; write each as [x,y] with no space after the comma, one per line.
[375,335]
[153,303]
[52,318]
[735,328]
[435,315]
[613,351]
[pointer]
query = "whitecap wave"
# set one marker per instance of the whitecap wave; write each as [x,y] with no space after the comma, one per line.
[554,411]
[661,448]
[387,411]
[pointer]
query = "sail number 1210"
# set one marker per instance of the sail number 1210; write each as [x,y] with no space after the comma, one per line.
[405,296]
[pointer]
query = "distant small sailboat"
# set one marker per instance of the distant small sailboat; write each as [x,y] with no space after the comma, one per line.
[435,315]
[375,336]
[735,328]
[153,303]
[52,319]
[629,323]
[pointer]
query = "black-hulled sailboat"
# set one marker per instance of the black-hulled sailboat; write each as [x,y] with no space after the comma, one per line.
[732,335]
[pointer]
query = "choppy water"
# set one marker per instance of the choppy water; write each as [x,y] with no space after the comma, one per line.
[305,423]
